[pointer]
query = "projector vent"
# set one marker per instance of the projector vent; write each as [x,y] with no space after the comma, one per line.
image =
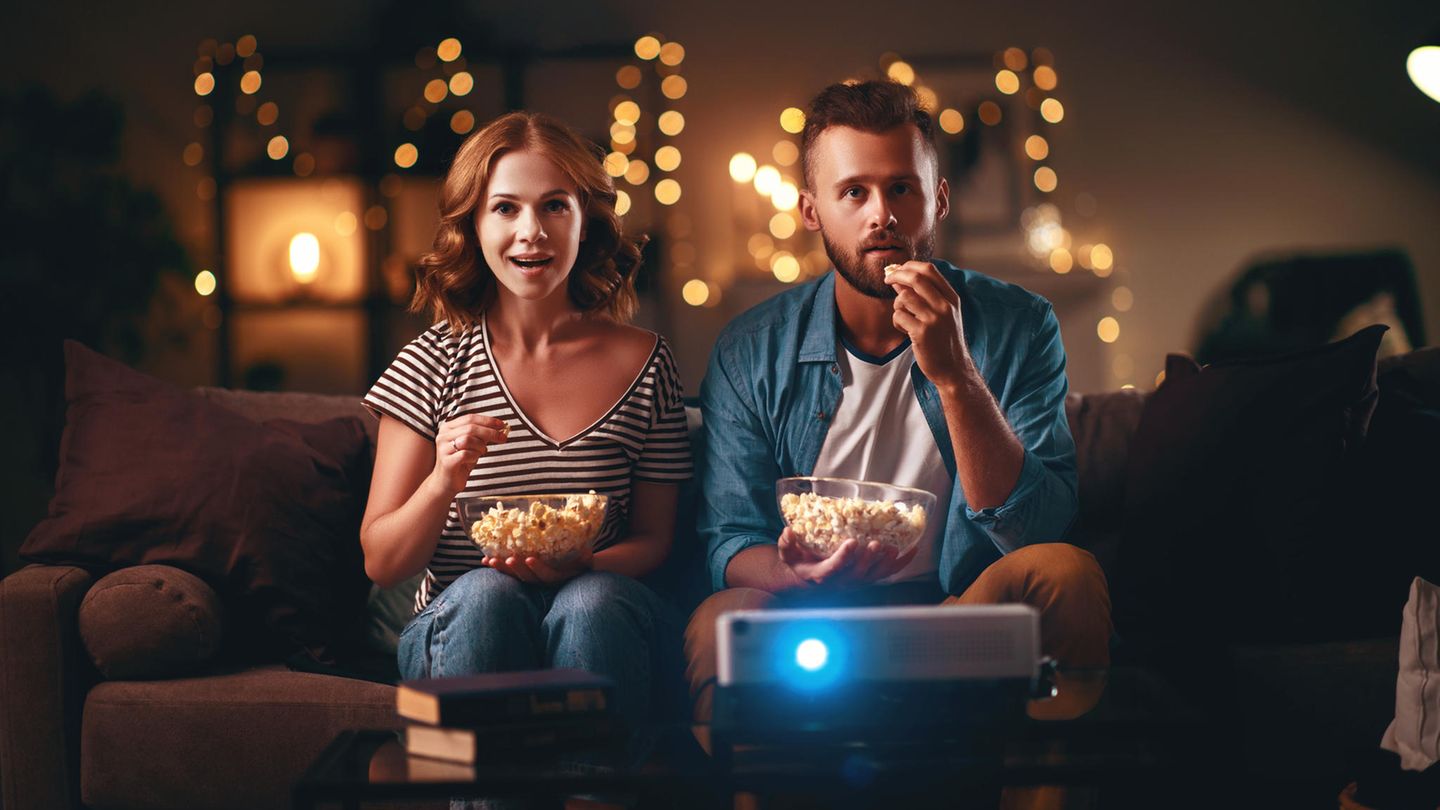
[976,646]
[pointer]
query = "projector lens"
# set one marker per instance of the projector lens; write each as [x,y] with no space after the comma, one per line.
[811,654]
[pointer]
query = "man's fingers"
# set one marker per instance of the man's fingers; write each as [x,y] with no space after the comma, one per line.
[905,322]
[878,559]
[926,281]
[839,567]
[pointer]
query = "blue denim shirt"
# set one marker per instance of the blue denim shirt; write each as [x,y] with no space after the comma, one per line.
[773,384]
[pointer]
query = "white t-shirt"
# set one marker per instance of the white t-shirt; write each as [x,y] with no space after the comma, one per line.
[880,434]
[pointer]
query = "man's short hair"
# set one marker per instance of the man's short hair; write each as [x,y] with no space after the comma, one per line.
[872,106]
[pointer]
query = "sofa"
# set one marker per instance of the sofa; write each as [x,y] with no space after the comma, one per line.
[223,730]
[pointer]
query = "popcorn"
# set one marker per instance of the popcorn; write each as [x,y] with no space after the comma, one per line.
[542,530]
[823,523]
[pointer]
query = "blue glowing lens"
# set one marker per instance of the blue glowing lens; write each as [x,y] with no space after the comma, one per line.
[811,654]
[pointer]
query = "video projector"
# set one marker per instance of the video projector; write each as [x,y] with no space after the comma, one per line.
[911,671]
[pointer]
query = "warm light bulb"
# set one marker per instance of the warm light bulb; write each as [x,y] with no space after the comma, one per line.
[667,158]
[1108,329]
[767,180]
[647,47]
[901,72]
[1423,65]
[627,112]
[786,196]
[205,282]
[667,191]
[782,225]
[742,167]
[304,257]
[671,122]
[792,120]
[448,50]
[695,292]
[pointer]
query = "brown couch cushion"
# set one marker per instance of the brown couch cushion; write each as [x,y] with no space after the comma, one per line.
[1103,426]
[1235,478]
[268,513]
[150,621]
[236,740]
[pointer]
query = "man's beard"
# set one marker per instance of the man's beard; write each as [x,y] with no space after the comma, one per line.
[868,277]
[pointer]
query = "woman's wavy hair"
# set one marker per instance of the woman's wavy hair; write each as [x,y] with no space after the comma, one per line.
[453,280]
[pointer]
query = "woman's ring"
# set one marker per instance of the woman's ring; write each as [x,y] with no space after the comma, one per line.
[454,446]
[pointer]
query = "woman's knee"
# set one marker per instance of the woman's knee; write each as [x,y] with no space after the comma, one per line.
[483,595]
[600,596]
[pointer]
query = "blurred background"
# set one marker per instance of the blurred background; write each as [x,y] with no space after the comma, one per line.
[235,193]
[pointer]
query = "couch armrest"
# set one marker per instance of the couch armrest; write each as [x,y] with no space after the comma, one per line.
[44,675]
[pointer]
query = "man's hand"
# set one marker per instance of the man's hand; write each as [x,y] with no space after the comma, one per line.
[537,571]
[851,565]
[927,309]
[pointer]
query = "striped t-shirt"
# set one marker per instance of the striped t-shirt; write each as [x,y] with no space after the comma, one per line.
[442,375]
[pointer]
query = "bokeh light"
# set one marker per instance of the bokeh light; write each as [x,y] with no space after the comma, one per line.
[1045,179]
[448,50]
[742,167]
[205,282]
[671,122]
[647,47]
[667,158]
[667,191]
[674,86]
[792,120]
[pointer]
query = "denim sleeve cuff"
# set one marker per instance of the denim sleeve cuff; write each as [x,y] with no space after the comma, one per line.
[721,556]
[993,518]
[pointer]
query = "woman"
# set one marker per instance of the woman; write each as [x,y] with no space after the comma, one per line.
[530,382]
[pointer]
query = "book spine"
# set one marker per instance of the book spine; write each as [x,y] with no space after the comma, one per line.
[471,710]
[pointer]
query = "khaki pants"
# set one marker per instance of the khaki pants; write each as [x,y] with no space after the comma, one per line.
[1063,582]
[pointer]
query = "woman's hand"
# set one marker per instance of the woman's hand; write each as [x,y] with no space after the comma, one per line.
[537,571]
[460,443]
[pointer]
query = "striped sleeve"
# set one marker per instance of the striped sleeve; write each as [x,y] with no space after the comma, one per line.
[413,387]
[665,458]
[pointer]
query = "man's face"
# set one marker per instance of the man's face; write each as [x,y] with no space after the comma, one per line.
[875,199]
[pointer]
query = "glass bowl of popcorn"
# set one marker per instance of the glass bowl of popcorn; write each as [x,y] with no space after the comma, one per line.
[823,513]
[551,527]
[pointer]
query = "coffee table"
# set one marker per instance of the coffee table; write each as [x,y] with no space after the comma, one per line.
[1139,735]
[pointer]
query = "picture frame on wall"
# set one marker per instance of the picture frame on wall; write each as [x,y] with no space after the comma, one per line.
[984,161]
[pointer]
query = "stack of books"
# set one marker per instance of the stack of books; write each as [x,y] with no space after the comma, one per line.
[464,719]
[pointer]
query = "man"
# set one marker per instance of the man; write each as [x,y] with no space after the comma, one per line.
[902,369]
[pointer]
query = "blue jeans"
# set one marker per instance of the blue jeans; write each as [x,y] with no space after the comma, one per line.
[600,622]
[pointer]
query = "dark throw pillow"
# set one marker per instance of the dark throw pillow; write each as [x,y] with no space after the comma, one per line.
[1234,490]
[150,621]
[267,513]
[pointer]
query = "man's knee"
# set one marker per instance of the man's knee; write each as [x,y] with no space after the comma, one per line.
[700,632]
[1060,563]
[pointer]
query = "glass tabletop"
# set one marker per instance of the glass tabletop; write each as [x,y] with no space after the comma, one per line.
[1116,724]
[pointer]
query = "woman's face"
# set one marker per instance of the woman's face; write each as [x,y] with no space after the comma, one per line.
[530,225]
